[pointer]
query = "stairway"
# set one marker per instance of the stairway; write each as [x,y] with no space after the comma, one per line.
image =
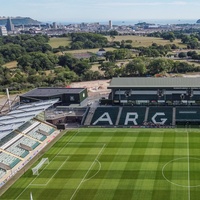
[89,116]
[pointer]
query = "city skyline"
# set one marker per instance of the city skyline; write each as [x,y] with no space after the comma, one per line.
[88,10]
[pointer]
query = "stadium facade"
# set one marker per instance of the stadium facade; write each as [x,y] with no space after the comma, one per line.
[155,91]
[148,102]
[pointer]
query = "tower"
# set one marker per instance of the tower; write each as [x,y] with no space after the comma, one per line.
[9,25]
[110,24]
[55,25]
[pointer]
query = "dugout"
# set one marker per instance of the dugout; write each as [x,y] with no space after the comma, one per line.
[153,91]
[66,96]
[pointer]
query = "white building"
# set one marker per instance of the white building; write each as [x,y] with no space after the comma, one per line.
[3,31]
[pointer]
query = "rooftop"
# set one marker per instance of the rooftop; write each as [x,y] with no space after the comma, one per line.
[150,82]
[47,91]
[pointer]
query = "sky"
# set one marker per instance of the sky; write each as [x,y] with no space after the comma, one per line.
[101,10]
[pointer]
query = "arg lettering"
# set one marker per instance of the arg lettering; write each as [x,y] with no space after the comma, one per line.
[162,120]
[131,117]
[104,118]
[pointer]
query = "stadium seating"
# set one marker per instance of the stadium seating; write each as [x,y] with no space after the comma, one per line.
[160,115]
[15,149]
[7,138]
[9,160]
[34,134]
[26,126]
[46,128]
[105,115]
[28,142]
[128,113]
[2,172]
[187,114]
[31,128]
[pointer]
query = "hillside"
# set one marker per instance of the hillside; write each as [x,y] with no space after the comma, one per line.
[20,21]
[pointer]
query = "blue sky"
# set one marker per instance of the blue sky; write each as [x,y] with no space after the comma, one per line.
[101,10]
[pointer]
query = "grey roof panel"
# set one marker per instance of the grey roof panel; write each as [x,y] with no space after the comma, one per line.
[136,82]
[37,92]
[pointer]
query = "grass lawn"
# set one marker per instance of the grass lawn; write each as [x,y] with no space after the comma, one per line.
[145,41]
[61,41]
[11,65]
[137,164]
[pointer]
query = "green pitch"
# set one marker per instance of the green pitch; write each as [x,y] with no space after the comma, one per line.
[101,164]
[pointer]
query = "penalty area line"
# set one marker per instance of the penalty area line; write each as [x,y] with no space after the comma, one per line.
[52,175]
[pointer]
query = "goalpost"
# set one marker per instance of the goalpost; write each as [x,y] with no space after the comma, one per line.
[35,170]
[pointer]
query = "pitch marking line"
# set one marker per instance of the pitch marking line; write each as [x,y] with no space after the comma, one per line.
[84,178]
[67,143]
[95,173]
[188,147]
[50,161]
[184,186]
[53,174]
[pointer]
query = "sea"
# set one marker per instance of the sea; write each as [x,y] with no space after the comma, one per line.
[156,21]
[135,21]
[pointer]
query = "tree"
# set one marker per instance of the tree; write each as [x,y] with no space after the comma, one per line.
[182,55]
[136,67]
[91,75]
[159,65]
[93,58]
[81,67]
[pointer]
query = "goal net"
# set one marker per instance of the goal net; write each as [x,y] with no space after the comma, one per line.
[35,170]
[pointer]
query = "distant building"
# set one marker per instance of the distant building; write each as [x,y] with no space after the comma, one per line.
[10,25]
[101,52]
[55,26]
[110,24]
[3,31]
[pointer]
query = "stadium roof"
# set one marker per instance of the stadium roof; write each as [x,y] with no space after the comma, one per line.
[21,114]
[41,92]
[152,82]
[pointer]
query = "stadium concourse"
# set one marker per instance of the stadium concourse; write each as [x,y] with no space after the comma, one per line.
[23,134]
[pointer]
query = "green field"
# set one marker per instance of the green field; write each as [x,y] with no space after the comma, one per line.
[61,41]
[137,164]
[138,41]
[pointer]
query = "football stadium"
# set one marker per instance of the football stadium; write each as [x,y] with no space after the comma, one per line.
[140,142]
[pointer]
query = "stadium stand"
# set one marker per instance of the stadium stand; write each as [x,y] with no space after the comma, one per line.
[105,116]
[187,114]
[7,138]
[21,132]
[8,161]
[21,114]
[2,172]
[160,115]
[16,150]
[132,116]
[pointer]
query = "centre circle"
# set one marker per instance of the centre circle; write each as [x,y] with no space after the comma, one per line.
[182,172]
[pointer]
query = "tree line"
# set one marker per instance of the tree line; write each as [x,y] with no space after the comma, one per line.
[143,66]
[38,65]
